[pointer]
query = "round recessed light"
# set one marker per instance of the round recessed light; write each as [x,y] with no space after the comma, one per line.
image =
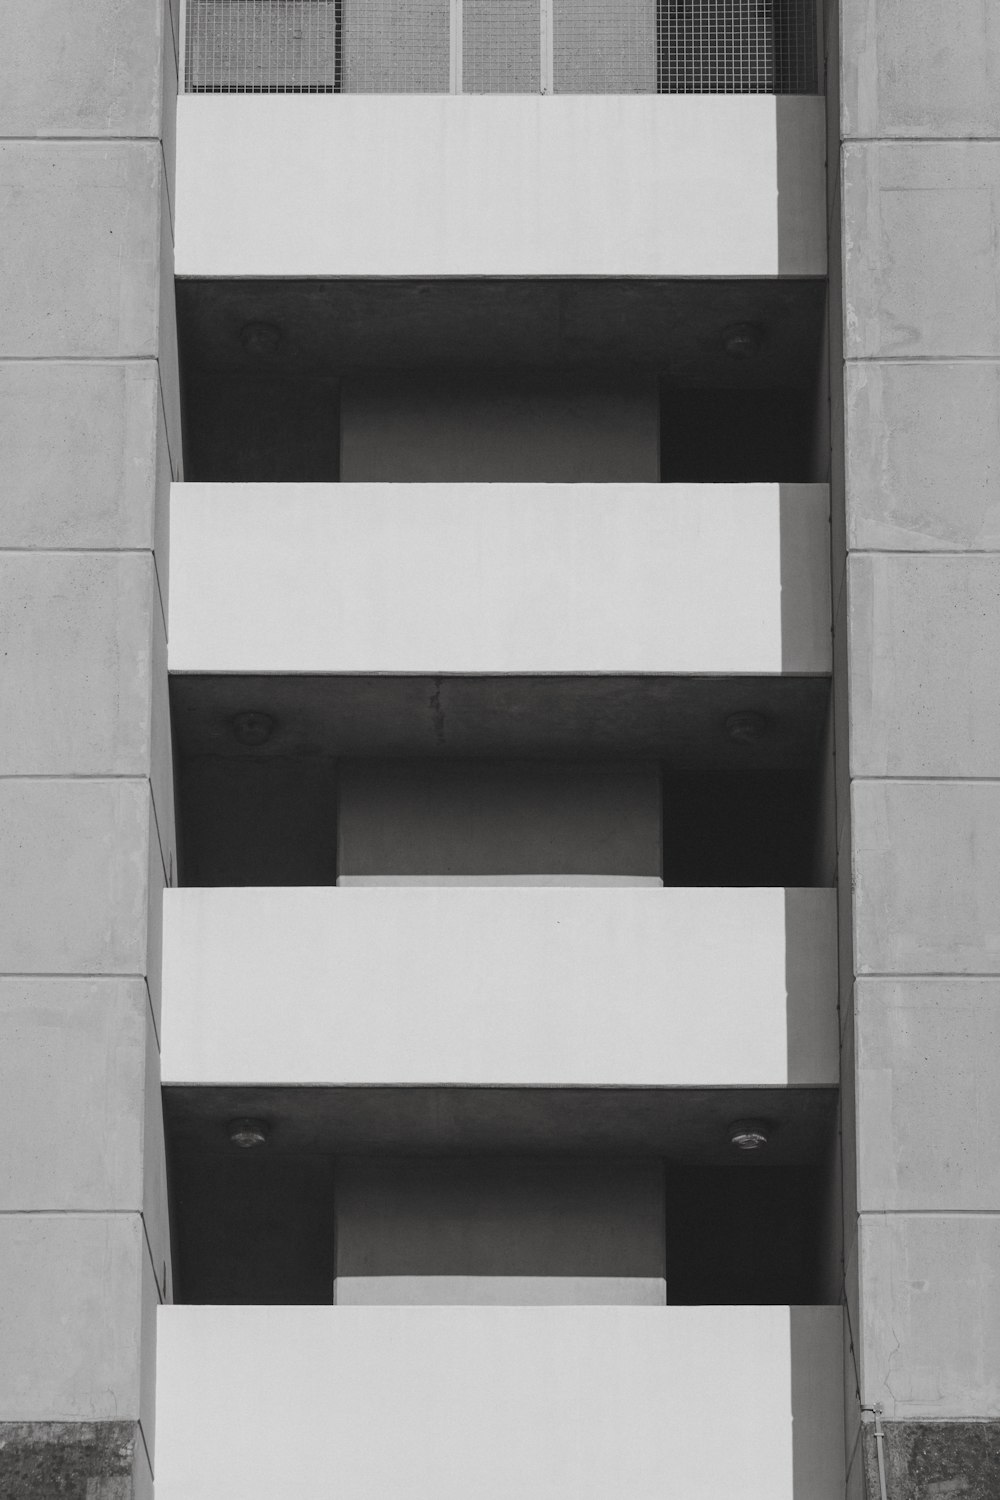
[260,339]
[748,1135]
[252,727]
[743,340]
[247,1133]
[747,726]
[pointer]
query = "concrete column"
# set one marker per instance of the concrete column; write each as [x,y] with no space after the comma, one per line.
[917,582]
[89,440]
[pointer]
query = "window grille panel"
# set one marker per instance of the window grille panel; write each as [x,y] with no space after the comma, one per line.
[604,46]
[396,46]
[737,47]
[261,46]
[501,47]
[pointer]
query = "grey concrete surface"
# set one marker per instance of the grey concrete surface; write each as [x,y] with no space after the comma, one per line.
[921,455]
[73,876]
[928,1460]
[927,1133]
[922,277]
[74,1460]
[81,241]
[931,1315]
[415,428]
[75,676]
[476,818]
[913,68]
[926,873]
[80,456]
[71,70]
[925,643]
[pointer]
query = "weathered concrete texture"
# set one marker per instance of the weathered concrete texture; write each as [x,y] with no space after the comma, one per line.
[922,443]
[80,453]
[74,875]
[80,238]
[935,1460]
[930,1314]
[922,276]
[75,676]
[73,1461]
[77,1306]
[912,68]
[73,70]
[926,874]
[928,1094]
[923,699]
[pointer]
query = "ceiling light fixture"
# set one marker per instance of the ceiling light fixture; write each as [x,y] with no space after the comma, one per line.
[260,339]
[742,340]
[748,1135]
[251,727]
[248,1133]
[747,727]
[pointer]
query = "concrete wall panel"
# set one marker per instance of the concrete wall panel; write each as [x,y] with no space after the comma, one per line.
[931,1315]
[921,455]
[911,68]
[75,673]
[926,873]
[922,276]
[530,986]
[500,578]
[80,239]
[72,70]
[79,453]
[497,1401]
[73,876]
[925,643]
[927,1132]
[577,185]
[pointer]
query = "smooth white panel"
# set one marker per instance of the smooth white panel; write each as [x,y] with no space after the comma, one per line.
[500,1291]
[499,578]
[672,1403]
[499,185]
[499,985]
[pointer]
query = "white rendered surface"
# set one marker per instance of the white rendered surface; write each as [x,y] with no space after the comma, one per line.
[530,986]
[487,578]
[556,1403]
[499,185]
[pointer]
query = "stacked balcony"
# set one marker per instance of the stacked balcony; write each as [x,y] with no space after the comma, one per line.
[500,671]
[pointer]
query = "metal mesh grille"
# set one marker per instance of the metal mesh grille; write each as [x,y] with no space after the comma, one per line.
[604,46]
[501,47]
[396,46]
[261,46]
[736,46]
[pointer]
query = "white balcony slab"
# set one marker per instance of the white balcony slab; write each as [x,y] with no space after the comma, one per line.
[500,185]
[528,986]
[557,1403]
[500,578]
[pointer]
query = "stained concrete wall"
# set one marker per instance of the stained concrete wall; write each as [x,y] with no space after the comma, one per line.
[499,1230]
[504,818]
[556,428]
[89,442]
[916,202]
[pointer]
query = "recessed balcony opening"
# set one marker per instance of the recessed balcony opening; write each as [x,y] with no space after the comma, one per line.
[623,381]
[700,781]
[650,1211]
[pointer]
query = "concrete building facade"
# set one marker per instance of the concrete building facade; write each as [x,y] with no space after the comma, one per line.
[499,813]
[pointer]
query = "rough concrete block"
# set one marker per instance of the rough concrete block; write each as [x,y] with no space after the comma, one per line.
[79,453]
[168,121]
[926,874]
[80,239]
[928,1133]
[159,873]
[73,876]
[922,276]
[921,456]
[76,673]
[73,70]
[71,1309]
[934,1460]
[910,68]
[167,334]
[74,1460]
[161,758]
[923,700]
[930,1299]
[470,818]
